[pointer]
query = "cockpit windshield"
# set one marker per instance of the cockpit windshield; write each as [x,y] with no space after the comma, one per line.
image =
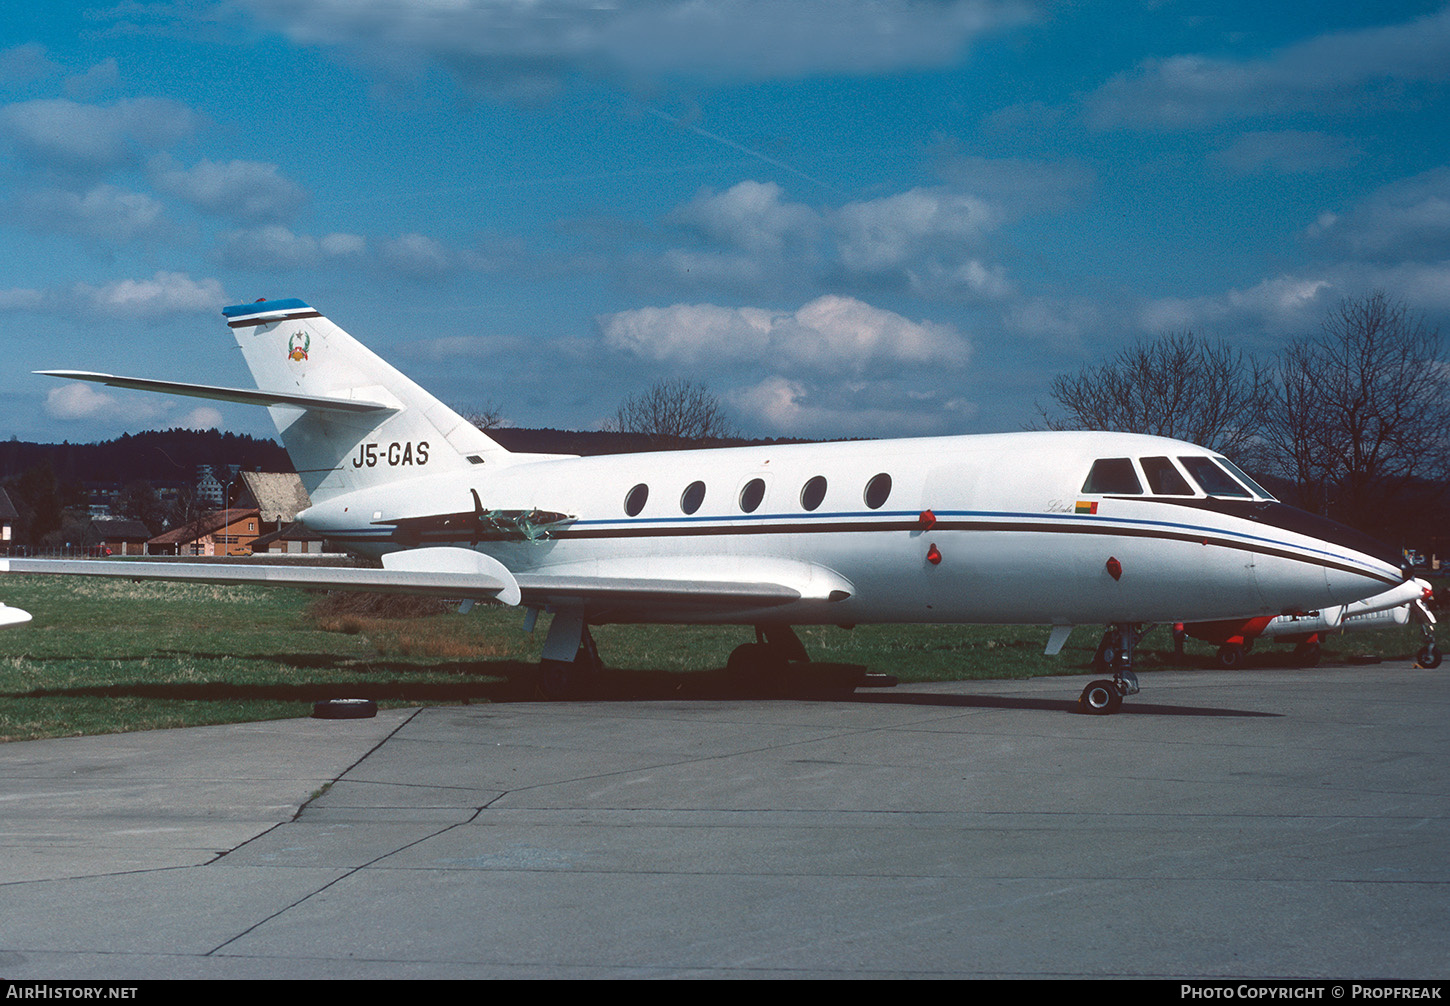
[1164,479]
[1214,480]
[1214,476]
[1238,473]
[1113,475]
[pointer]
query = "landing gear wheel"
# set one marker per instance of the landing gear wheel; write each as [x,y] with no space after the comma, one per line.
[558,679]
[1428,657]
[1306,654]
[344,709]
[1230,656]
[1100,698]
[755,665]
[568,679]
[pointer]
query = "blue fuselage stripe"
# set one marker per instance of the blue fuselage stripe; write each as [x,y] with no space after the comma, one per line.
[879,521]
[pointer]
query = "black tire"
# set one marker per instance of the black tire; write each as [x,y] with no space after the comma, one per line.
[1230,657]
[344,709]
[1100,698]
[1306,654]
[755,665]
[1428,657]
[563,680]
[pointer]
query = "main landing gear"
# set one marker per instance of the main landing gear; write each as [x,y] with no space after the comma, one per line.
[570,665]
[767,660]
[1115,654]
[775,663]
[1231,656]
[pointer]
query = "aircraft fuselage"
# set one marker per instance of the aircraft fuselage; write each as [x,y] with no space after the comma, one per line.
[991,529]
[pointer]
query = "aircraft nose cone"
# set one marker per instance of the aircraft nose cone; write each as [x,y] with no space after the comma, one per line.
[1344,586]
[1355,565]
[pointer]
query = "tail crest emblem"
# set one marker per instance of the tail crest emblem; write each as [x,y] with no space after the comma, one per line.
[298,345]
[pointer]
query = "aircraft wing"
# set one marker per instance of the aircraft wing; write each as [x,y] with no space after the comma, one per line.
[437,572]
[627,589]
[244,396]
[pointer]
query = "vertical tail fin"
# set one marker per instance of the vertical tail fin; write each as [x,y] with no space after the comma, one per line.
[291,348]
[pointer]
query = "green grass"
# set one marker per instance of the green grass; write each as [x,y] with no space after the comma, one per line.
[108,655]
[104,656]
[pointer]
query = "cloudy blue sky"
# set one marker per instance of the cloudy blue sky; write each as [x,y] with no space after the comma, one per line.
[847,217]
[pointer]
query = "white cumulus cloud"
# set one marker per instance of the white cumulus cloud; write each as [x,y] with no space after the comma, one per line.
[829,334]
[884,234]
[1406,219]
[203,417]
[76,401]
[165,293]
[752,216]
[801,408]
[1190,91]
[240,190]
[1282,304]
[102,213]
[749,238]
[527,47]
[418,256]
[71,136]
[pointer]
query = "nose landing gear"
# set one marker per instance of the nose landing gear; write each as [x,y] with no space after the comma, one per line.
[1429,655]
[1115,654]
[1100,698]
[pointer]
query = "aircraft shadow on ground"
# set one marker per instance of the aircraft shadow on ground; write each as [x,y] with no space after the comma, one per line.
[1130,705]
[516,681]
[507,681]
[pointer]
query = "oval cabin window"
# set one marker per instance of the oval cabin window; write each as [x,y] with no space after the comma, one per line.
[635,501]
[692,497]
[813,492]
[752,494]
[877,490]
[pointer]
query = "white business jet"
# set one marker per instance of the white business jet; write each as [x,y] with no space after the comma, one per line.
[1057,529]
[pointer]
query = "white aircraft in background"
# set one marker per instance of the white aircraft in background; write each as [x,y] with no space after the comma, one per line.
[1395,606]
[1057,529]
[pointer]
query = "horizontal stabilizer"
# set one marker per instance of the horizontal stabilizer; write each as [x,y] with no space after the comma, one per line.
[425,572]
[244,396]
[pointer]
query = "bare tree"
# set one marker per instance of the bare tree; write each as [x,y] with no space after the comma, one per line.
[675,410]
[488,416]
[1362,410]
[1177,385]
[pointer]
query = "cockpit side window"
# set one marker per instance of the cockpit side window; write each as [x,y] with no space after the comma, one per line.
[1238,473]
[1163,478]
[1113,475]
[1214,480]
